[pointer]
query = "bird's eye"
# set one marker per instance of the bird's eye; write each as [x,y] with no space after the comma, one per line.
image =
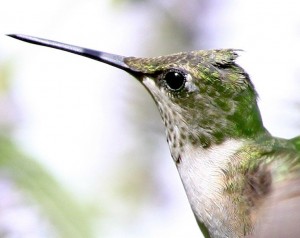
[174,79]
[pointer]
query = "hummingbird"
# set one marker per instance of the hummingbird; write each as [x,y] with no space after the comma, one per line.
[240,180]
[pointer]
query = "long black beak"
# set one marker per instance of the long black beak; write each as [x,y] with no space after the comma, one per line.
[111,59]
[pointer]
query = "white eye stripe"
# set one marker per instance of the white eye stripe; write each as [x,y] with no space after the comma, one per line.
[189,85]
[189,78]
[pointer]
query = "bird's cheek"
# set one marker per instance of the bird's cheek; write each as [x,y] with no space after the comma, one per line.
[149,83]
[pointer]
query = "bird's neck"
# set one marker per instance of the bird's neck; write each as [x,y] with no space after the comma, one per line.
[202,174]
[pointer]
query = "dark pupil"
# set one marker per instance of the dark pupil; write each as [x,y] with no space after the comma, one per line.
[175,80]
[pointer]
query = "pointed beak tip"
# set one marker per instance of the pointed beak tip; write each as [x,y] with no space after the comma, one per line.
[17,36]
[21,37]
[12,35]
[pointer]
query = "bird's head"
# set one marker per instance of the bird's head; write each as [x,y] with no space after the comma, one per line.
[203,96]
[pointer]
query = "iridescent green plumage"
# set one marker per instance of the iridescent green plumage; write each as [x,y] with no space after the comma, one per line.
[259,166]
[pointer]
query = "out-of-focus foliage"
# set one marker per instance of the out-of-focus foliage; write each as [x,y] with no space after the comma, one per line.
[56,206]
[33,203]
[118,2]
[174,25]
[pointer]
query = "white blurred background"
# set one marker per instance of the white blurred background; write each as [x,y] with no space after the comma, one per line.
[97,131]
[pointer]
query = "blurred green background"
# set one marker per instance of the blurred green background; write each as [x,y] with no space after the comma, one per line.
[82,147]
